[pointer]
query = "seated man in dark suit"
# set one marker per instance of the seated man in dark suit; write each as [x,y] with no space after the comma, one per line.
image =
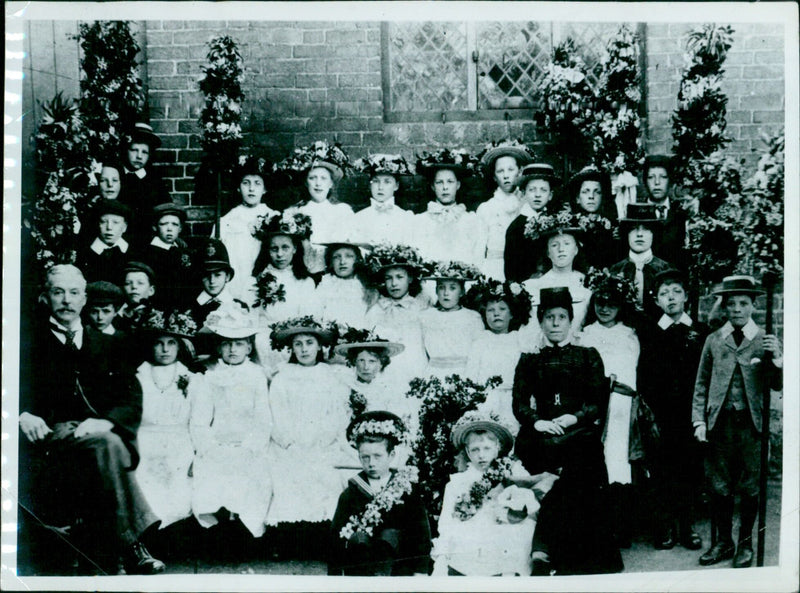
[80,407]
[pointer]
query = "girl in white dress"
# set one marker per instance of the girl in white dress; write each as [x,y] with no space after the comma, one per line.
[502,161]
[169,392]
[231,427]
[446,230]
[504,308]
[448,329]
[236,228]
[322,166]
[341,294]
[395,269]
[383,220]
[310,411]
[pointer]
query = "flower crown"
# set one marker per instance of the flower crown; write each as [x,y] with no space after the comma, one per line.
[490,289]
[289,222]
[385,255]
[268,290]
[304,157]
[457,157]
[387,164]
[174,323]
[541,225]
[390,429]
[252,163]
[307,321]
[600,281]
[456,270]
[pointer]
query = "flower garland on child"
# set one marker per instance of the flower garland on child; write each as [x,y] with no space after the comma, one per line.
[498,472]
[399,486]
[269,290]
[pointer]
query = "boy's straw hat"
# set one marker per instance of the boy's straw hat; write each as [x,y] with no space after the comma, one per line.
[732,285]
[475,420]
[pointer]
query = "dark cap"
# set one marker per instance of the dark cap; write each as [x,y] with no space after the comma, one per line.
[670,275]
[657,160]
[558,296]
[102,293]
[137,266]
[169,208]
[106,206]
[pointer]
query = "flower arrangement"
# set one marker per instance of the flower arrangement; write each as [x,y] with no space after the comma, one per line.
[308,321]
[303,158]
[535,228]
[386,255]
[268,290]
[498,473]
[112,94]
[598,280]
[442,403]
[357,402]
[221,117]
[711,242]
[387,164]
[183,384]
[392,429]
[445,156]
[489,289]
[289,222]
[399,486]
[617,141]
[454,270]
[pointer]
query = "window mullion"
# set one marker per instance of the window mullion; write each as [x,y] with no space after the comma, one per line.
[472,67]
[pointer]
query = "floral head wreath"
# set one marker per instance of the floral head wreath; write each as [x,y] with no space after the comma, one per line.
[377,424]
[604,282]
[458,160]
[283,331]
[268,290]
[250,164]
[387,256]
[320,153]
[383,164]
[563,221]
[289,222]
[485,291]
[453,270]
[177,323]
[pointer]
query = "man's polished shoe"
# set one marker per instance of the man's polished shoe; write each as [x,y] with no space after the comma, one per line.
[717,553]
[691,540]
[666,540]
[139,561]
[744,556]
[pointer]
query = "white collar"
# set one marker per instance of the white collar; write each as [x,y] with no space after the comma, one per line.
[662,204]
[749,330]
[667,321]
[77,328]
[109,329]
[550,344]
[641,258]
[140,173]
[223,297]
[385,206]
[157,242]
[319,205]
[76,325]
[283,274]
[99,247]
[529,212]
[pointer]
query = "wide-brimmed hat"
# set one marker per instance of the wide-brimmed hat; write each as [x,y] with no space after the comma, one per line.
[212,256]
[383,164]
[102,293]
[230,322]
[294,326]
[732,285]
[611,287]
[545,226]
[537,171]
[459,161]
[319,154]
[512,293]
[657,160]
[137,266]
[178,324]
[383,257]
[453,270]
[107,206]
[169,208]
[291,222]
[640,214]
[142,133]
[558,296]
[512,148]
[475,420]
[377,423]
[354,339]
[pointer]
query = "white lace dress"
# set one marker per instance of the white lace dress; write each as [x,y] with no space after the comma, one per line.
[165,445]
[449,233]
[496,214]
[311,413]
[328,223]
[448,337]
[231,429]
[342,300]
[374,226]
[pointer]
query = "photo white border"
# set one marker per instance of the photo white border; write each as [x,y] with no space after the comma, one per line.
[785,577]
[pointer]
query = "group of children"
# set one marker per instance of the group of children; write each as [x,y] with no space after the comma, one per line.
[253,400]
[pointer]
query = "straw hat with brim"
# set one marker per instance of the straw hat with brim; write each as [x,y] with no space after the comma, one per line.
[469,424]
[166,330]
[169,208]
[392,348]
[144,134]
[733,285]
[517,152]
[429,170]
[230,322]
[333,245]
[284,333]
[335,170]
[636,214]
[537,171]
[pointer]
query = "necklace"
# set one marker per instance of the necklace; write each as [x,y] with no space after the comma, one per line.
[163,385]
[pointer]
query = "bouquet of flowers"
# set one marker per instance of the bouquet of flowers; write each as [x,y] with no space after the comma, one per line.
[388,164]
[268,290]
[445,156]
[289,222]
[303,158]
[498,473]
[443,402]
[593,223]
[357,402]
[535,228]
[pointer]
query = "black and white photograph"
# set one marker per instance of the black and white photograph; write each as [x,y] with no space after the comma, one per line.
[296,292]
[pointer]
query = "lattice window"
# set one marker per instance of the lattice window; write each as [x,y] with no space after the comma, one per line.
[476,70]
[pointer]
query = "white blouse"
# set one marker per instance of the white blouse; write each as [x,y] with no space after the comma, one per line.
[450,233]
[342,300]
[374,227]
[496,214]
[448,337]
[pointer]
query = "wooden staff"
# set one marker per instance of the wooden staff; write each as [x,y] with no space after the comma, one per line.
[218,212]
[768,281]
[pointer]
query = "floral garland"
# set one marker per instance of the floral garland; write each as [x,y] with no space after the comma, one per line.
[221,117]
[308,321]
[382,428]
[112,94]
[357,402]
[399,486]
[544,224]
[513,293]
[598,280]
[289,222]
[617,143]
[442,403]
[454,270]
[498,472]
[303,158]
[386,255]
[386,164]
[268,290]
[445,156]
